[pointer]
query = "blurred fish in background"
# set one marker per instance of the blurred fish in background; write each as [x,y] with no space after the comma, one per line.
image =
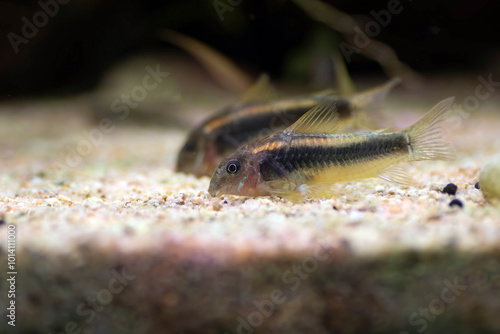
[255,117]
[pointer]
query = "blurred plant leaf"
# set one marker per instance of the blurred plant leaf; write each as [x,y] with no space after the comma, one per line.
[221,68]
[345,25]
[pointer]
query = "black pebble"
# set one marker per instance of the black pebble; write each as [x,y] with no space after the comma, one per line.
[456,202]
[477,185]
[450,189]
[2,221]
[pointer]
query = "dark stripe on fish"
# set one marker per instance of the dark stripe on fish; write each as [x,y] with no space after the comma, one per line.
[285,158]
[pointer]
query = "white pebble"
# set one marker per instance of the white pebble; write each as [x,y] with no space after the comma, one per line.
[489,180]
[52,202]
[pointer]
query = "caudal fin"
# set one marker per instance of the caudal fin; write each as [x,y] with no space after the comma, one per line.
[367,106]
[426,140]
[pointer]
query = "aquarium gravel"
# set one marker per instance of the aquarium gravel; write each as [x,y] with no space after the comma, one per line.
[368,258]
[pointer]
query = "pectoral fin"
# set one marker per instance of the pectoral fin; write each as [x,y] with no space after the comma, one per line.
[293,196]
[286,190]
[319,190]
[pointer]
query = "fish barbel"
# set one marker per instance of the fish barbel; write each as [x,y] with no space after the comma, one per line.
[309,156]
[257,116]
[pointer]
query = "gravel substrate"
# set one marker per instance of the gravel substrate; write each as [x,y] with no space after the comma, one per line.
[113,241]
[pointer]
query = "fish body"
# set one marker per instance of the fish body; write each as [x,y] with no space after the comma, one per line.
[223,133]
[309,156]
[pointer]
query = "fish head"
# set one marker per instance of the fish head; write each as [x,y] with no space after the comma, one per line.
[238,174]
[204,147]
[198,155]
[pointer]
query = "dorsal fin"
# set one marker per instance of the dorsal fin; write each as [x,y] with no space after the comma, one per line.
[324,118]
[344,80]
[368,106]
[261,90]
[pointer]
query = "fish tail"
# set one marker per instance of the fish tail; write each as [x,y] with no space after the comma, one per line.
[368,106]
[425,137]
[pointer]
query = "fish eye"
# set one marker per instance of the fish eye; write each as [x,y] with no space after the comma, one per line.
[189,147]
[233,167]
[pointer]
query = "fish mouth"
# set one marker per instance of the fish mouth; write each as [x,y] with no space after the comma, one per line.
[212,191]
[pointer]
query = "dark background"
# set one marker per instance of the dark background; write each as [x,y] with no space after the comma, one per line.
[76,47]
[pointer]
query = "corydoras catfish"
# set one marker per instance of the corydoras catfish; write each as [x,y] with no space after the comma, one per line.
[308,157]
[257,116]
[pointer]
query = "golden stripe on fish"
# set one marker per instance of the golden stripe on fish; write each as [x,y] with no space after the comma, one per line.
[268,110]
[311,155]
